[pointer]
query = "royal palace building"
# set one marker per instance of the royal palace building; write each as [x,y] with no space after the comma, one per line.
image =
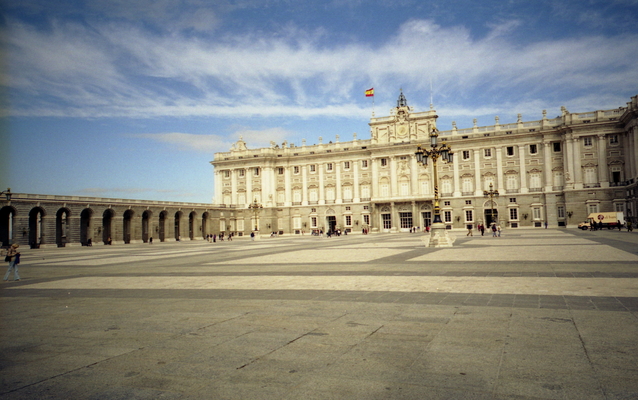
[553,171]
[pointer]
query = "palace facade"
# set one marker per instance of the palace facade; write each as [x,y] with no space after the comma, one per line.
[553,171]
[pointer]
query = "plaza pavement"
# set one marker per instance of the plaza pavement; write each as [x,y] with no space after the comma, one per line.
[534,314]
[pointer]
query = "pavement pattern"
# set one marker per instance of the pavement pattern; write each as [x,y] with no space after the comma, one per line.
[534,314]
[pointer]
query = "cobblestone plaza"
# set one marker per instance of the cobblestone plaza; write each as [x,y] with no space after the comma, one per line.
[534,314]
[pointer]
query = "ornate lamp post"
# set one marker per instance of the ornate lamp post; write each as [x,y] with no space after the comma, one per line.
[438,233]
[256,208]
[7,193]
[491,194]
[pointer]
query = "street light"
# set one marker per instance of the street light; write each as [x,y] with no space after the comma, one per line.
[7,193]
[491,194]
[438,234]
[256,208]
[435,152]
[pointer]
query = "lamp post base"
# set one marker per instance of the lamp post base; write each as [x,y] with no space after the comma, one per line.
[439,236]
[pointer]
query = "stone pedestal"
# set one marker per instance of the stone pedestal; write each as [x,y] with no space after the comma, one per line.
[439,236]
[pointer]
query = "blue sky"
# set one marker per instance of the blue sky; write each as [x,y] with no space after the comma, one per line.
[131,99]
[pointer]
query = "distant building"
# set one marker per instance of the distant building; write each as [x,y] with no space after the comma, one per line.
[553,170]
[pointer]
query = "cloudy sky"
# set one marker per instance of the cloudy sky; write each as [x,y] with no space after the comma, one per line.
[131,98]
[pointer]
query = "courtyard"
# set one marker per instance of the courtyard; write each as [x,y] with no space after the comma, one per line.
[534,314]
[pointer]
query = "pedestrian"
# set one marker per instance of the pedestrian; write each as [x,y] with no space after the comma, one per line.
[215,238]
[630,228]
[150,240]
[493,230]
[619,225]
[13,257]
[482,229]
[469,230]
[252,236]
[498,229]
[545,224]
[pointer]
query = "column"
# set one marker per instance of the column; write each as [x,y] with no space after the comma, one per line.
[547,154]
[477,173]
[304,183]
[603,173]
[233,186]
[568,157]
[393,178]
[499,168]
[375,178]
[355,170]
[578,170]
[322,197]
[267,183]
[287,187]
[522,169]
[249,185]
[338,199]
[457,183]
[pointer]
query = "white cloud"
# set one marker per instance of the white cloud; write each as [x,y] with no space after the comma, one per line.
[116,69]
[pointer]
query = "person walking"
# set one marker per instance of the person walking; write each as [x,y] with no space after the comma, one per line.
[13,257]
[498,230]
[469,230]
[493,230]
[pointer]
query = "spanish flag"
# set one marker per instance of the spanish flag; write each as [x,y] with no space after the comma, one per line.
[370,92]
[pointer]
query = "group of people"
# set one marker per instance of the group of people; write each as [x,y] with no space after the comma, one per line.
[212,238]
[496,230]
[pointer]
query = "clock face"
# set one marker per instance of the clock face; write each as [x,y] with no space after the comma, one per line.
[402,131]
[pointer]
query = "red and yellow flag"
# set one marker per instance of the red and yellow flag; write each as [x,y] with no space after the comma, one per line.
[370,92]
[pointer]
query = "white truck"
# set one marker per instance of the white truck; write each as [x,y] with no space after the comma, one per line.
[609,220]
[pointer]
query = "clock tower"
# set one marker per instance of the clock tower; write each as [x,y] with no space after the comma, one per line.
[403,124]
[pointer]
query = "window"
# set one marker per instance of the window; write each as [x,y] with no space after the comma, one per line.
[366,207]
[296,195]
[405,187]
[536,213]
[313,222]
[620,207]
[313,168]
[487,153]
[329,167]
[348,220]
[447,216]
[387,221]
[366,219]
[468,185]
[590,175]
[446,203]
[257,171]
[513,214]
[469,216]
[227,174]
[330,193]
[385,190]
[533,149]
[425,187]
[512,182]
[446,186]
[348,208]
[280,170]
[347,194]
[561,211]
[384,162]
[364,163]
[405,218]
[613,139]
[593,208]
[466,154]
[510,150]
[313,196]
[295,169]
[535,180]
[558,178]
[556,147]
[346,165]
[512,199]
[587,141]
[468,202]
[365,191]
[242,172]
[314,210]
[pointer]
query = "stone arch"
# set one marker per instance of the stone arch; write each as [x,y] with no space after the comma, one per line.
[205,218]
[62,226]
[36,227]
[161,228]
[127,218]
[85,227]
[7,217]
[146,225]
[107,225]
[192,224]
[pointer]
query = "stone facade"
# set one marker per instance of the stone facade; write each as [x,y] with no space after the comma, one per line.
[48,220]
[552,171]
